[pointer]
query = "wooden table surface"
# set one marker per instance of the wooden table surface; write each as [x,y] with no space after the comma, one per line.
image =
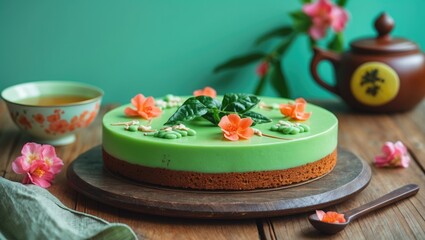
[362,134]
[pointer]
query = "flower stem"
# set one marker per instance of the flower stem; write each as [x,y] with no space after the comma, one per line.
[260,85]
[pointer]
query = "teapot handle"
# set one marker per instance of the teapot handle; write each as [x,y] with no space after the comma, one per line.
[320,55]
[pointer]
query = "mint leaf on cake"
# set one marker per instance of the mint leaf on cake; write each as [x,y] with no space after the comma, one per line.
[210,109]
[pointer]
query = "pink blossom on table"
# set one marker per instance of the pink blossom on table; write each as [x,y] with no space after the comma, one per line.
[39,163]
[48,154]
[325,14]
[39,174]
[394,155]
[30,152]
[262,69]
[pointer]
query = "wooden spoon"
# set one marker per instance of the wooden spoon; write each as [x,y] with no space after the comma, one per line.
[392,197]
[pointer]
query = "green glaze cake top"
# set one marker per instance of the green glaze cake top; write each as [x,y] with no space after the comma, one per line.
[209,152]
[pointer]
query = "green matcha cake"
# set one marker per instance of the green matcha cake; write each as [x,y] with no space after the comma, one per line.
[192,151]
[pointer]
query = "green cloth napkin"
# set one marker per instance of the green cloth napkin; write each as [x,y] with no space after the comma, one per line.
[31,212]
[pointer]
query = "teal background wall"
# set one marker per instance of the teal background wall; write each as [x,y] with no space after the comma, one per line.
[159,47]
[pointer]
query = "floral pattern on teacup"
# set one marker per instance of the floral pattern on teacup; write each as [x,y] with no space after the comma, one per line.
[23,121]
[54,123]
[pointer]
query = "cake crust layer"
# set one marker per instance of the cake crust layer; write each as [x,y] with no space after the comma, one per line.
[221,181]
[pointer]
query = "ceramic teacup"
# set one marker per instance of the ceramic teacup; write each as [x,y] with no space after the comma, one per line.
[52,111]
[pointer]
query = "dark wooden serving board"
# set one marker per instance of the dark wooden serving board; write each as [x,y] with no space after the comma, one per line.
[87,175]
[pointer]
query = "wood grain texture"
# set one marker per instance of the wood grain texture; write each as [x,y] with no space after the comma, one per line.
[361,134]
[88,175]
[364,134]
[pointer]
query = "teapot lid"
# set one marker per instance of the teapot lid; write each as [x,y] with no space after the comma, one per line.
[383,43]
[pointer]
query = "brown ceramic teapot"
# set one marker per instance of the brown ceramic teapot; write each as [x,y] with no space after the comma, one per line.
[381,74]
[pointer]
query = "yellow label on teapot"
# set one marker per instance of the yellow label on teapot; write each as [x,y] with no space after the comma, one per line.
[375,83]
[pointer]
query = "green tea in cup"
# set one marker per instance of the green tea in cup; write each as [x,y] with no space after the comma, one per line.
[52,100]
[52,111]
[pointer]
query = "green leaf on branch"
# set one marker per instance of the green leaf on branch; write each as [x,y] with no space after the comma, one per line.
[260,86]
[281,48]
[279,32]
[302,22]
[240,61]
[278,80]
[341,3]
[305,1]
[336,44]
[313,42]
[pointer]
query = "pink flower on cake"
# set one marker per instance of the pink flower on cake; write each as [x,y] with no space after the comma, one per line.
[145,108]
[394,155]
[324,14]
[295,110]
[207,91]
[235,128]
[39,163]
[330,217]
